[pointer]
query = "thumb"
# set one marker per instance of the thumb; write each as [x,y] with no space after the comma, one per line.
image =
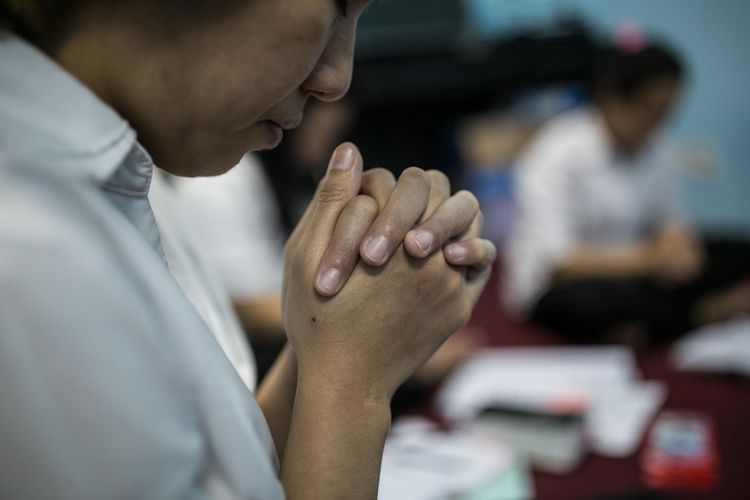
[341,183]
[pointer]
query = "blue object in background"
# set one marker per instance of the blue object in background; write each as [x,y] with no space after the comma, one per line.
[495,189]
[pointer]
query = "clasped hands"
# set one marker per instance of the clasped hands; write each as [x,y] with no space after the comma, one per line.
[379,273]
[675,255]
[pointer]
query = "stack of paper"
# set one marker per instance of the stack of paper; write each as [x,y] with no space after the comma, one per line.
[723,347]
[421,463]
[552,442]
[600,384]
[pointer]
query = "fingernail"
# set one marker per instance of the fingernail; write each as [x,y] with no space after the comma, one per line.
[457,253]
[424,240]
[375,249]
[343,158]
[329,281]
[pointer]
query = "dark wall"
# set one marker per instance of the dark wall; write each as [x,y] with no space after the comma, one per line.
[411,94]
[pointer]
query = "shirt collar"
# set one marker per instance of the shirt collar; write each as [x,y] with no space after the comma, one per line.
[49,120]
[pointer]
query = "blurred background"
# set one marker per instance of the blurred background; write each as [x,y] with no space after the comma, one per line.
[433,62]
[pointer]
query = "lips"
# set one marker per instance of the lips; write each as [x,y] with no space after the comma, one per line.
[275,134]
[276,128]
[289,123]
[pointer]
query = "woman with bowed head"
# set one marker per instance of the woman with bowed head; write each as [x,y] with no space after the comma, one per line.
[112,382]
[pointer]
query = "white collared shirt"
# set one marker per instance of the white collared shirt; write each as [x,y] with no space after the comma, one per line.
[573,189]
[111,384]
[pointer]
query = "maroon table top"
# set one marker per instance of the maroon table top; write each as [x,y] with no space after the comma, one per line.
[724,398]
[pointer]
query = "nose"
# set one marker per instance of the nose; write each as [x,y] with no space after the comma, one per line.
[332,75]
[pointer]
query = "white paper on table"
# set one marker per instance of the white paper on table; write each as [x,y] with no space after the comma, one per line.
[722,347]
[421,464]
[617,422]
[604,380]
[531,377]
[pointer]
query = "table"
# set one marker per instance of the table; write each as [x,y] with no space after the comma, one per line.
[725,398]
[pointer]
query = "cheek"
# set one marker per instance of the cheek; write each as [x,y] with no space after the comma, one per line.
[295,44]
[276,74]
[296,54]
[260,64]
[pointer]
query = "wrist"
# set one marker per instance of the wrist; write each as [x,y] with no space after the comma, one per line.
[336,439]
[339,387]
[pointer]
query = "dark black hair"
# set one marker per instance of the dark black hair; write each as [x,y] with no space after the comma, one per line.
[47,23]
[624,73]
[42,22]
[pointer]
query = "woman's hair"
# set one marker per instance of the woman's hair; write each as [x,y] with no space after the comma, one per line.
[40,21]
[47,23]
[624,72]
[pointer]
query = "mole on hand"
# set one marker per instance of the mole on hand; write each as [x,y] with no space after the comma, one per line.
[314,319]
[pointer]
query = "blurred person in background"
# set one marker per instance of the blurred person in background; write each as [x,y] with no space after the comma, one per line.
[601,250]
[112,382]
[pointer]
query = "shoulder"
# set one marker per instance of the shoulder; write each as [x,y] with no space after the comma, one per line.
[63,247]
[566,142]
[570,128]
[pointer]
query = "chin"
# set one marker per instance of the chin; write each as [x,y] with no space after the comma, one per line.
[218,159]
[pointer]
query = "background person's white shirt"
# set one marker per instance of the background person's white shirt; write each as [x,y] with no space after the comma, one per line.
[573,189]
[111,384]
[236,222]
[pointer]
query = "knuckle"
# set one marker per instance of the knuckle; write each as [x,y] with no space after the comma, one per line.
[395,222]
[379,184]
[469,198]
[392,223]
[439,227]
[437,177]
[456,284]
[437,271]
[415,175]
[333,193]
[340,254]
[365,206]
[378,174]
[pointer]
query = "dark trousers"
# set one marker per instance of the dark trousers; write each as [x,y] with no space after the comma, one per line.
[587,309]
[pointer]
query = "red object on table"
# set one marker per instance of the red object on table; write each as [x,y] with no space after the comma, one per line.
[681,452]
[726,399]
